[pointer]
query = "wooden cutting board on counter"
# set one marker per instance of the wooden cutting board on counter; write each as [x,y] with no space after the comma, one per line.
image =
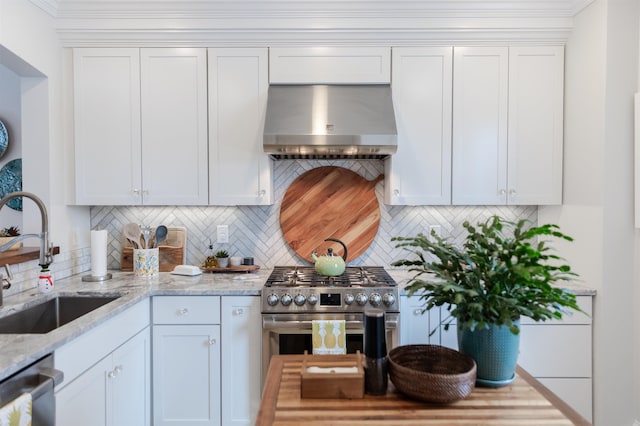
[331,202]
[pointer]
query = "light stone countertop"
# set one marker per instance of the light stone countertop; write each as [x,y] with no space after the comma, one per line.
[19,350]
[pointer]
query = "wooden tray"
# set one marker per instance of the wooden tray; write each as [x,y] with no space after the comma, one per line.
[332,385]
[240,268]
[332,202]
[172,253]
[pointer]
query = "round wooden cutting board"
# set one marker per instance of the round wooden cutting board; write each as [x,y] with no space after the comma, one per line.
[330,202]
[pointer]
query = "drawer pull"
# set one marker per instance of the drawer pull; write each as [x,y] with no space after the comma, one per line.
[212,342]
[238,311]
[417,312]
[183,312]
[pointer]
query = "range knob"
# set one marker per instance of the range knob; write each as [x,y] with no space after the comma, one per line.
[349,299]
[273,299]
[362,299]
[375,299]
[299,299]
[286,299]
[312,299]
[388,299]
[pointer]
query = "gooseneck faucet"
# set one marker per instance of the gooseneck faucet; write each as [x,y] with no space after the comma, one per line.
[46,257]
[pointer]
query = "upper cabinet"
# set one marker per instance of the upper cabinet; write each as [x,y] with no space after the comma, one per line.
[240,173]
[330,65]
[507,125]
[419,173]
[140,126]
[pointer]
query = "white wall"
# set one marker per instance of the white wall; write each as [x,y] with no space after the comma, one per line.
[10,115]
[601,77]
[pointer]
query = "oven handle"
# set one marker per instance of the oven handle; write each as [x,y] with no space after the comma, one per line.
[273,324]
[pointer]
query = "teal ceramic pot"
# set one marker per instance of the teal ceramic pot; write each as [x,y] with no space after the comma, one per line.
[495,351]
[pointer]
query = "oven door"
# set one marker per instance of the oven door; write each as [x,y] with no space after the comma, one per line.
[286,334]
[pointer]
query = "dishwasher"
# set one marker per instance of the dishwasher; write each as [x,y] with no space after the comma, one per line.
[39,380]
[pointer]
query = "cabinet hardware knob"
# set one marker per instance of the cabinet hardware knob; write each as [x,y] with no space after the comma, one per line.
[417,312]
[512,192]
[396,192]
[502,192]
[118,369]
[111,374]
[212,342]
[262,193]
[136,191]
[183,312]
[239,311]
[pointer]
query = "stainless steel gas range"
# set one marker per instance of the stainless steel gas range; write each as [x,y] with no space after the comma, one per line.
[294,296]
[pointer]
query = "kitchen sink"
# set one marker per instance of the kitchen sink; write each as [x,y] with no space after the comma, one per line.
[47,316]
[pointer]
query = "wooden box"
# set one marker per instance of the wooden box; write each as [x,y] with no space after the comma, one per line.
[332,376]
[172,252]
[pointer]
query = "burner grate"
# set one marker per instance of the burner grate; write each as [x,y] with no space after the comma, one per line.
[364,276]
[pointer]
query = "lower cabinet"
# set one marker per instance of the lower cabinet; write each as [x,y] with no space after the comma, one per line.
[557,353]
[112,388]
[241,359]
[206,360]
[186,360]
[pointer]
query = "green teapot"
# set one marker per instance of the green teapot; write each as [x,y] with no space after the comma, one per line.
[330,264]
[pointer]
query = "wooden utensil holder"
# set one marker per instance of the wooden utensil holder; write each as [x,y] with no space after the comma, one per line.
[332,385]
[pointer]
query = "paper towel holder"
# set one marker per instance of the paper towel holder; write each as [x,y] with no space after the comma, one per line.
[92,278]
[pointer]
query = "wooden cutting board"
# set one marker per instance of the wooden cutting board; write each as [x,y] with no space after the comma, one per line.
[330,202]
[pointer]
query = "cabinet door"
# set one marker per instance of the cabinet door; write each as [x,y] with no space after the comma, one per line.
[241,359]
[174,126]
[416,326]
[535,125]
[480,84]
[107,126]
[84,401]
[186,375]
[420,172]
[240,173]
[130,378]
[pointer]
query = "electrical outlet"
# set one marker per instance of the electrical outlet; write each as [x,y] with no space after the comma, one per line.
[222,232]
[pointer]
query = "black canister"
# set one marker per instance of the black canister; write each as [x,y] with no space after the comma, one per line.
[375,351]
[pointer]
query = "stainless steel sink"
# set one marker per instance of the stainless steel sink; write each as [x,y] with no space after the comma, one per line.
[53,313]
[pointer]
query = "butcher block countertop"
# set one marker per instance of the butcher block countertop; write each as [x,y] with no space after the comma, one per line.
[524,402]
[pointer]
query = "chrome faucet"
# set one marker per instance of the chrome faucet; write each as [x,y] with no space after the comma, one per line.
[46,256]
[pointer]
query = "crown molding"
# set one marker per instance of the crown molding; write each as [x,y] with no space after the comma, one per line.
[258,22]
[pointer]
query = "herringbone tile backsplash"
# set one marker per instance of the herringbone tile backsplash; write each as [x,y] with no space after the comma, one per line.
[255,231]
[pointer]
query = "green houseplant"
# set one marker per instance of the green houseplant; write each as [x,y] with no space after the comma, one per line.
[8,234]
[503,270]
[222,258]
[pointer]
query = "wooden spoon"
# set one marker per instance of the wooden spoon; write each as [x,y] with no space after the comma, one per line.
[132,233]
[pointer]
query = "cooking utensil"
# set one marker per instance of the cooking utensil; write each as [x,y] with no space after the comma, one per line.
[326,202]
[146,234]
[161,235]
[131,232]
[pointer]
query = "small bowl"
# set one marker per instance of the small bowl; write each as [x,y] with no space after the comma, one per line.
[235,261]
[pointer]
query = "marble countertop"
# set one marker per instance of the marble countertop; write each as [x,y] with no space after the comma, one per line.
[20,350]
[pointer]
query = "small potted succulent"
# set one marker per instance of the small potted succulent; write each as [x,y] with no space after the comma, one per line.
[222,258]
[503,271]
[8,234]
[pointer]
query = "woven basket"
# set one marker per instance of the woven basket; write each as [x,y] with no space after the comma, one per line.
[432,373]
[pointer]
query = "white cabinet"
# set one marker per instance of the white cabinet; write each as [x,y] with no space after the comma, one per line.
[186,360]
[107,374]
[330,65]
[507,125]
[416,326]
[419,173]
[240,173]
[140,118]
[107,126]
[241,359]
[480,83]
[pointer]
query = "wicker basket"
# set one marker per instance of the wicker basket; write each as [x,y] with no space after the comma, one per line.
[432,373]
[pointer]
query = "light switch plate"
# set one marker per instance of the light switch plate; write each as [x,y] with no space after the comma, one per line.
[222,234]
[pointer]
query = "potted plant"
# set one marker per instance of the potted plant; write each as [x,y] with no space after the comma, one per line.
[503,271]
[8,234]
[222,258]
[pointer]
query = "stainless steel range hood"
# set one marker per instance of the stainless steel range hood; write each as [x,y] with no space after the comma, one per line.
[330,121]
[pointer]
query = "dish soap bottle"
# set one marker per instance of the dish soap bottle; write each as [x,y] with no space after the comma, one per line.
[45,280]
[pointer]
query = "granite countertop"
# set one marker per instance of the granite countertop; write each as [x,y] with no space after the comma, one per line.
[20,350]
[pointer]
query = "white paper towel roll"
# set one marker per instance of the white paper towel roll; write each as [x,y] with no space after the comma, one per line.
[99,253]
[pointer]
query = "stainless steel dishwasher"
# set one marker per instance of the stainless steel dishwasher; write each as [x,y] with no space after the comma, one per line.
[38,379]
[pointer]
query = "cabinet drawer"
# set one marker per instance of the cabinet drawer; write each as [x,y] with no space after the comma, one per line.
[186,310]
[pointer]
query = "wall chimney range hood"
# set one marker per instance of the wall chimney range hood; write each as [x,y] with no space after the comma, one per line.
[330,121]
